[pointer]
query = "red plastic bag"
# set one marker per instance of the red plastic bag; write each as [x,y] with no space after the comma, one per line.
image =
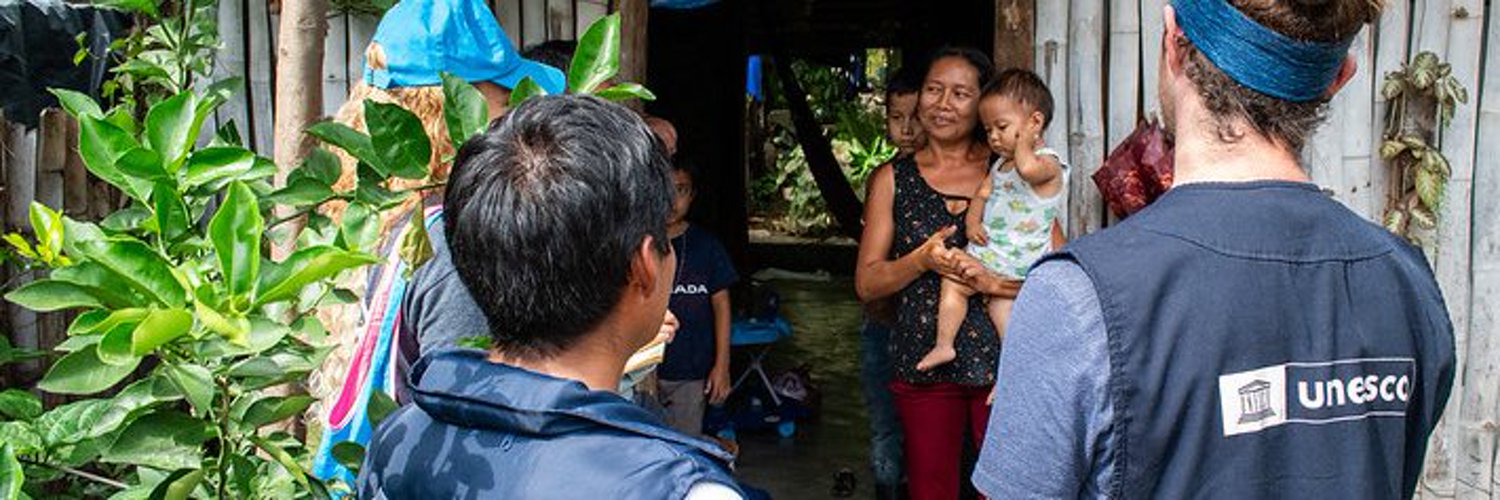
[1137,171]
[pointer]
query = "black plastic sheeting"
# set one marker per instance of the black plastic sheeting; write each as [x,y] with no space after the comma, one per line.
[38,39]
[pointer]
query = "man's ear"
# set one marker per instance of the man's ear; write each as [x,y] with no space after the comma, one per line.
[646,267]
[1346,72]
[1171,52]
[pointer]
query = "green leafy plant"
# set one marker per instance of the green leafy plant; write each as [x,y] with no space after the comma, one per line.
[595,62]
[1423,96]
[178,299]
[178,289]
[787,194]
[172,41]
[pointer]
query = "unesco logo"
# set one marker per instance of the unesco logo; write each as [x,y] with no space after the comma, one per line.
[1319,392]
[1255,402]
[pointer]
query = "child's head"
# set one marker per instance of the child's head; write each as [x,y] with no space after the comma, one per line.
[901,124]
[1016,100]
[682,189]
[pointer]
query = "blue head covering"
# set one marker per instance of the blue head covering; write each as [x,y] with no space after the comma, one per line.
[1259,57]
[423,37]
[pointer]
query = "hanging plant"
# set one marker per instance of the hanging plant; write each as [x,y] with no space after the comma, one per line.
[1423,96]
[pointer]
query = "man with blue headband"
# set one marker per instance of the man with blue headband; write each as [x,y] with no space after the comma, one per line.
[1245,336]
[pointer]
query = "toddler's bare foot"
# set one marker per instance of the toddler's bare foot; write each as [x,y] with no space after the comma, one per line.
[938,356]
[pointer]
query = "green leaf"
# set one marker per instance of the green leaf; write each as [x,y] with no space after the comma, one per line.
[47,224]
[404,149]
[301,192]
[1429,187]
[172,127]
[114,347]
[110,288]
[232,328]
[263,334]
[99,321]
[464,109]
[597,58]
[20,405]
[163,439]
[147,7]
[120,117]
[22,246]
[171,214]
[228,135]
[125,220]
[53,295]
[210,164]
[77,104]
[218,93]
[130,403]
[416,246]
[1423,218]
[312,484]
[76,342]
[626,91]
[178,486]
[371,192]
[22,436]
[195,382]
[1390,148]
[138,266]
[525,89]
[11,476]
[81,372]
[72,422]
[380,406]
[101,144]
[142,164]
[360,227]
[349,454]
[320,165]
[236,231]
[351,141]
[159,327]
[303,267]
[275,409]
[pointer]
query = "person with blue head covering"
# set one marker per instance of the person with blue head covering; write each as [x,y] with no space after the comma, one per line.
[1245,336]
[415,41]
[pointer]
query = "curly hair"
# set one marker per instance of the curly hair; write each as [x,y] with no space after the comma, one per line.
[1276,119]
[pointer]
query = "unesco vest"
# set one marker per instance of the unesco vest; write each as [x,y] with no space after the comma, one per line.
[488,430]
[1267,342]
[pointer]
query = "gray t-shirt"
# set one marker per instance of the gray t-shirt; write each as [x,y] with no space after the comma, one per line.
[437,309]
[1049,431]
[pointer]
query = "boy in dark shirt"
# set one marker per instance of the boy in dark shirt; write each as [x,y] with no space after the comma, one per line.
[695,369]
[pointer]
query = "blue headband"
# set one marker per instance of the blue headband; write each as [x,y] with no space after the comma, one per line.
[1259,57]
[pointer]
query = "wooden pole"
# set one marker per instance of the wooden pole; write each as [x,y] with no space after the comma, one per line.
[75,177]
[299,81]
[1015,25]
[299,72]
[52,157]
[633,23]
[20,189]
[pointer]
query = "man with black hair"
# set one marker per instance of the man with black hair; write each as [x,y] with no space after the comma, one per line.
[558,217]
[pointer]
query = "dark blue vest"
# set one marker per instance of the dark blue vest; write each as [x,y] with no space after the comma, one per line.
[488,430]
[1267,342]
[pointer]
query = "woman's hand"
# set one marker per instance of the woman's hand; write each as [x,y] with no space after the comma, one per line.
[934,252]
[971,272]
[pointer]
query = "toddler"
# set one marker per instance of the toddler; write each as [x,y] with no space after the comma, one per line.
[1009,224]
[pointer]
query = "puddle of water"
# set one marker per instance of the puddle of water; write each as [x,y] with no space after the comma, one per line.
[825,319]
